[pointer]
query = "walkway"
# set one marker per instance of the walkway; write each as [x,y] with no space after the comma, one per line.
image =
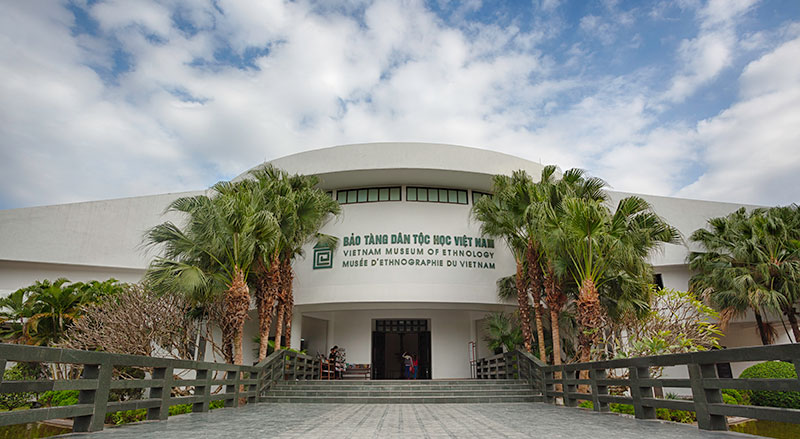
[516,420]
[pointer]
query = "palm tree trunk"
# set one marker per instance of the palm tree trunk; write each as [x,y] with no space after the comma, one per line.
[556,332]
[265,310]
[279,324]
[791,315]
[555,298]
[762,331]
[535,281]
[524,310]
[237,304]
[590,317]
[287,277]
[266,295]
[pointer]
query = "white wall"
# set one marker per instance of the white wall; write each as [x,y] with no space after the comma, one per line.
[15,275]
[315,333]
[450,335]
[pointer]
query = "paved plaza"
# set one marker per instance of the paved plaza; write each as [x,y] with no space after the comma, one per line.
[515,420]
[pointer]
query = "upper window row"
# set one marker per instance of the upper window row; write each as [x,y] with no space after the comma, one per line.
[436,195]
[413,193]
[368,195]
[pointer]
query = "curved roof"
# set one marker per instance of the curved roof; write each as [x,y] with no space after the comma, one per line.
[400,162]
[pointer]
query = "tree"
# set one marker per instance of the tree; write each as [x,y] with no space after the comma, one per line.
[607,252]
[503,331]
[677,322]
[213,254]
[41,313]
[137,322]
[552,192]
[503,215]
[299,210]
[751,262]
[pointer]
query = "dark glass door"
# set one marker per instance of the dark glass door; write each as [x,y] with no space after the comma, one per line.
[391,339]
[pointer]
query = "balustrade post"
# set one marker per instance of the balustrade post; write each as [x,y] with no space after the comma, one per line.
[639,391]
[598,389]
[202,390]
[97,397]
[547,386]
[232,388]
[163,392]
[567,389]
[252,388]
[703,396]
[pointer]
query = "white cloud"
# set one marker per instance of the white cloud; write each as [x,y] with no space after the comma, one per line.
[180,118]
[751,148]
[707,55]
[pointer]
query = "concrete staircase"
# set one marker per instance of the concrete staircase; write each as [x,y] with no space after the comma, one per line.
[401,391]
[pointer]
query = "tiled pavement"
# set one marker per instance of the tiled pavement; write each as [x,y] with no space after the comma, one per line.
[516,420]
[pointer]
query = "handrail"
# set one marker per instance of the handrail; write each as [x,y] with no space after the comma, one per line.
[706,387]
[238,382]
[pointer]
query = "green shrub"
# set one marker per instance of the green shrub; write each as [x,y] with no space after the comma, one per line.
[739,397]
[216,405]
[728,399]
[769,398]
[11,401]
[180,409]
[665,414]
[58,398]
[126,417]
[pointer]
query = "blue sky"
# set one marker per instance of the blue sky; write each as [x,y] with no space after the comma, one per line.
[690,98]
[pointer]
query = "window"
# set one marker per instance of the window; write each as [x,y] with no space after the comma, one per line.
[368,195]
[478,195]
[658,280]
[436,195]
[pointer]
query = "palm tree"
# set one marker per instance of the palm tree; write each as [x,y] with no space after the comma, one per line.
[552,191]
[300,209]
[606,252]
[751,262]
[213,254]
[502,215]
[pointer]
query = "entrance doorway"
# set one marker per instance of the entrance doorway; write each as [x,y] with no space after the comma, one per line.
[390,338]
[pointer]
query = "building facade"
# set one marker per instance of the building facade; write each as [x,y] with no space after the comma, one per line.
[411,271]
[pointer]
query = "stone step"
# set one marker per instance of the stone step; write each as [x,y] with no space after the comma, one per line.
[411,382]
[354,393]
[400,388]
[402,399]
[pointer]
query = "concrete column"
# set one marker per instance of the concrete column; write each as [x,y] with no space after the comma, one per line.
[331,331]
[297,328]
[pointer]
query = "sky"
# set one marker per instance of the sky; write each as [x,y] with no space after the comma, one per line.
[688,98]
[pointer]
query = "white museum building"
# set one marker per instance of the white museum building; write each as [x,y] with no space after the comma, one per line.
[411,271]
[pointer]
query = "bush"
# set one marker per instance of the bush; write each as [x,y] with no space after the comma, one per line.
[11,401]
[126,417]
[739,398]
[58,398]
[769,398]
[665,414]
[129,416]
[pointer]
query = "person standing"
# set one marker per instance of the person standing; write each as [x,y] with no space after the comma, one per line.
[407,365]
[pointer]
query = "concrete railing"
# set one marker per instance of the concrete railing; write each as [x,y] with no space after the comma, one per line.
[211,382]
[704,384]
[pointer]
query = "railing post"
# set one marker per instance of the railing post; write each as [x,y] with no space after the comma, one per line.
[703,396]
[639,391]
[203,390]
[163,392]
[253,387]
[598,389]
[568,388]
[97,397]
[548,387]
[232,388]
